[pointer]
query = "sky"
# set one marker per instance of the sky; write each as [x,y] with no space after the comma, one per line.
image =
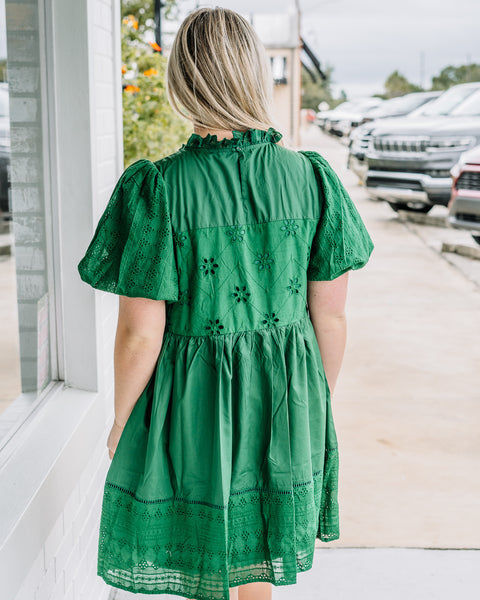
[365,40]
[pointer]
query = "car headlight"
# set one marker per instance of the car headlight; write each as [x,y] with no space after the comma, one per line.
[444,144]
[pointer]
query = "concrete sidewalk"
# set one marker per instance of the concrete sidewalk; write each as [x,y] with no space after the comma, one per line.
[407,402]
[407,409]
[375,574]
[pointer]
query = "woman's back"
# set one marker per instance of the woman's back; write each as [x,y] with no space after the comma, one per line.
[226,470]
[244,212]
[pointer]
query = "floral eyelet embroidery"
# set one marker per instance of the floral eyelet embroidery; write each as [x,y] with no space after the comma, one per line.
[208,266]
[294,286]
[290,227]
[184,297]
[214,327]
[263,261]
[270,320]
[179,238]
[236,233]
[240,293]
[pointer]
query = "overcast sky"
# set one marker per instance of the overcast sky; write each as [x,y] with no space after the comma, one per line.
[365,40]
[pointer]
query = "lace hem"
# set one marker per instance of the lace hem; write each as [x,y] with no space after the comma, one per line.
[199,551]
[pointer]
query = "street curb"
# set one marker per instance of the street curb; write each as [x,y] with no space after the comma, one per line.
[434,221]
[462,249]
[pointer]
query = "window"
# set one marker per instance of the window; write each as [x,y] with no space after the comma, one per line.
[26,294]
[279,69]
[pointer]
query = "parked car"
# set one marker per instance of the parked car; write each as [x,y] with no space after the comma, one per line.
[341,120]
[464,205]
[400,106]
[359,138]
[409,159]
[4,151]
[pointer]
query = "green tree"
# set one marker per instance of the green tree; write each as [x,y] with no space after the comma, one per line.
[151,129]
[454,75]
[314,92]
[397,84]
[3,69]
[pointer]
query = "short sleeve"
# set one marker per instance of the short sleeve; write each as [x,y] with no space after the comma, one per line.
[341,241]
[132,251]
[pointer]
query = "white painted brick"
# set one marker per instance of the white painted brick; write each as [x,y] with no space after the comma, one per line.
[47,585]
[79,522]
[72,563]
[105,147]
[105,121]
[64,552]
[33,578]
[108,174]
[53,542]
[70,593]
[81,574]
[59,591]
[71,508]
[103,16]
[103,41]
[103,68]
[102,591]
[104,95]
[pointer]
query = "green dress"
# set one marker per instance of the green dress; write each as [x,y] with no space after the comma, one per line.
[227,469]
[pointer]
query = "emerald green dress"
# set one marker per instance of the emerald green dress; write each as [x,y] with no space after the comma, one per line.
[227,469]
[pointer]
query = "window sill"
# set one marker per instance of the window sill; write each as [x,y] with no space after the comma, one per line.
[51,451]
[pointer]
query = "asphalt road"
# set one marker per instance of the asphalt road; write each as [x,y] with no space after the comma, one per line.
[407,402]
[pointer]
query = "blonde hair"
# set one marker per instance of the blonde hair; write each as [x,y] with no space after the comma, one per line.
[218,72]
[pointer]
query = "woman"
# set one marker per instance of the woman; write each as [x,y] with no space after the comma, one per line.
[231,259]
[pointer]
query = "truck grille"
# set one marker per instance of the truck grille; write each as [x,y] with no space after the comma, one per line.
[468,217]
[394,183]
[400,144]
[469,180]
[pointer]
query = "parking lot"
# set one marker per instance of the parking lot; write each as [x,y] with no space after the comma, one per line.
[407,403]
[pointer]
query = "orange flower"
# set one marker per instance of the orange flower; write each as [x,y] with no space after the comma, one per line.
[130,20]
[132,88]
[124,69]
[150,72]
[155,46]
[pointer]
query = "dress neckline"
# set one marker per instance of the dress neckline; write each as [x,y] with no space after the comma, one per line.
[240,138]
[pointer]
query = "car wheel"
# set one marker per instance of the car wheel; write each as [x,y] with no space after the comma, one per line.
[476,238]
[418,207]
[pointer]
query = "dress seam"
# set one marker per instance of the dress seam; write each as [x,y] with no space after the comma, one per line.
[223,335]
[219,506]
[248,224]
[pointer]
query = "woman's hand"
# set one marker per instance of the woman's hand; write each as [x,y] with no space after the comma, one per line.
[113,439]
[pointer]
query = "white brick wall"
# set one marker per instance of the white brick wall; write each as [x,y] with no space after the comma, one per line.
[65,568]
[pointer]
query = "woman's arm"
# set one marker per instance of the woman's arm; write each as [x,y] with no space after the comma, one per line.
[138,341]
[326,304]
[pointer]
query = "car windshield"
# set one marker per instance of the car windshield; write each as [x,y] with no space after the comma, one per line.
[469,107]
[448,101]
[3,103]
[344,106]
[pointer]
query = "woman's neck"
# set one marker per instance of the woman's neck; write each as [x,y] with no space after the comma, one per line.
[220,133]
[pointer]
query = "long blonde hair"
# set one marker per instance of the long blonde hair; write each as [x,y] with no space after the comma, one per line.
[218,72]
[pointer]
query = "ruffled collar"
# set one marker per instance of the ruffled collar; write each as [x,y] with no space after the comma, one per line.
[240,138]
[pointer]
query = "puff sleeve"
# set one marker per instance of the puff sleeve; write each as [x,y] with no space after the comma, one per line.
[132,251]
[341,241]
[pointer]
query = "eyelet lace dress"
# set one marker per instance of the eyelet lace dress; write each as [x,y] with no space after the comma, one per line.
[227,469]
